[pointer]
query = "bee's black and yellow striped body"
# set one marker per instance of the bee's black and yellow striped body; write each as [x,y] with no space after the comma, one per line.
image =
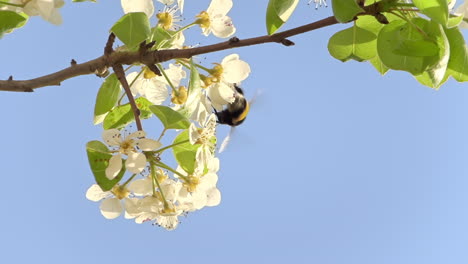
[236,112]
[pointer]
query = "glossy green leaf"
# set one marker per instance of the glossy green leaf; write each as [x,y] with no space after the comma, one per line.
[122,115]
[185,153]
[458,62]
[378,65]
[164,38]
[417,48]
[345,10]
[435,9]
[392,36]
[437,69]
[353,43]
[278,12]
[454,21]
[132,29]
[193,100]
[170,118]
[106,98]
[427,80]
[10,20]
[98,157]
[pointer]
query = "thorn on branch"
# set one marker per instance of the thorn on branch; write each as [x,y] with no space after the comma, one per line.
[154,69]
[287,42]
[73,62]
[110,42]
[233,40]
[10,78]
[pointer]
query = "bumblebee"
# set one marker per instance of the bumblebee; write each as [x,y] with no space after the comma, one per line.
[236,112]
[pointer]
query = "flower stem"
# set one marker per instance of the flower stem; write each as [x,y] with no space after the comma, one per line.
[162,165]
[162,134]
[129,179]
[170,146]
[155,179]
[168,80]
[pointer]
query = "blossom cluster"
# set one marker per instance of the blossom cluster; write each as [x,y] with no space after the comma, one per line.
[137,179]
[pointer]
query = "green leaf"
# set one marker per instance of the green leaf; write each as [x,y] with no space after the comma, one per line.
[427,80]
[437,69]
[122,115]
[378,65]
[454,21]
[106,98]
[163,38]
[393,36]
[194,89]
[458,63]
[417,48]
[144,105]
[278,12]
[185,153]
[98,157]
[353,43]
[132,29]
[10,20]
[345,10]
[171,119]
[437,10]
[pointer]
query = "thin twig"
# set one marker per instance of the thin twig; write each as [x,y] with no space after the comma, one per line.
[153,57]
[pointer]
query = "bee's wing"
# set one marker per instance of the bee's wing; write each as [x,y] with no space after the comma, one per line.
[226,140]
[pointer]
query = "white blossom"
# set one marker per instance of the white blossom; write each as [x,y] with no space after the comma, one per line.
[136,161]
[231,71]
[214,19]
[47,9]
[113,202]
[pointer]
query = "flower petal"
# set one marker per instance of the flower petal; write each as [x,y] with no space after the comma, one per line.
[193,134]
[213,197]
[95,193]
[114,167]
[147,144]
[220,7]
[137,134]
[220,94]
[156,92]
[141,187]
[112,137]
[136,162]
[132,6]
[111,208]
[131,207]
[222,27]
[235,71]
[168,222]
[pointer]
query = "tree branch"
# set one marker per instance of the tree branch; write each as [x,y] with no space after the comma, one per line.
[152,57]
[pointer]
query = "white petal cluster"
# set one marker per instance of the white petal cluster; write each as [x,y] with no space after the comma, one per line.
[47,9]
[232,71]
[136,161]
[206,137]
[145,202]
[113,202]
[215,20]
[153,87]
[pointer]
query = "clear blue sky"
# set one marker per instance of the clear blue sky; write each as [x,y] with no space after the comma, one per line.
[334,165]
